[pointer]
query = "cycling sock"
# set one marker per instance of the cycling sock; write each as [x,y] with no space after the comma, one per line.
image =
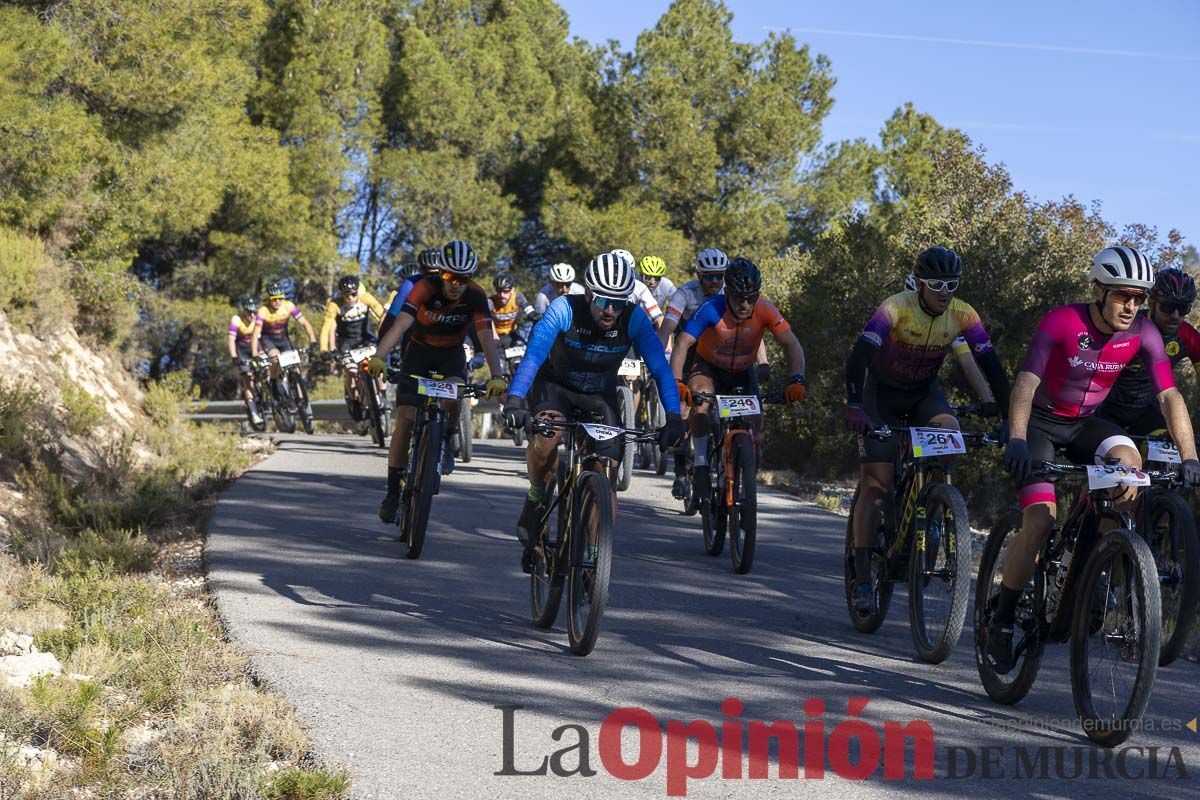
[680,463]
[394,476]
[700,459]
[536,493]
[862,564]
[1006,605]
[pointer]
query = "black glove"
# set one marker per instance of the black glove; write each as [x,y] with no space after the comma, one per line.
[314,349]
[238,361]
[1018,460]
[763,375]
[516,412]
[1190,472]
[991,409]
[672,433]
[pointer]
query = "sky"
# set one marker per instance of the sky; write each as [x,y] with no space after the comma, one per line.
[1099,99]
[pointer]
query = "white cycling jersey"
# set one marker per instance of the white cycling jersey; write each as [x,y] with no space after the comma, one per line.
[686,300]
[662,293]
[645,299]
[547,293]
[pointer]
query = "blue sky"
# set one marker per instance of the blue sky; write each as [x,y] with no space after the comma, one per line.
[1098,99]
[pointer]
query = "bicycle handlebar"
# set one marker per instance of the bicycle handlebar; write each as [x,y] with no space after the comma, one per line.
[548,427]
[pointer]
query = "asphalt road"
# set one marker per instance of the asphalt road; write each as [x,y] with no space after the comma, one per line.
[397,667]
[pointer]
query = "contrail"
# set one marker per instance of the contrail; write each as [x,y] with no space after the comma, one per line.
[1049,48]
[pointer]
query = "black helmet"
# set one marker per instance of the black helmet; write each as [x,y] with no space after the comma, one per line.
[248,304]
[406,271]
[743,277]
[1174,284]
[275,289]
[348,284]
[939,263]
[430,259]
[503,281]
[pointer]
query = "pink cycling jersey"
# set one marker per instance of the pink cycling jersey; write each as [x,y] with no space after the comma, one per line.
[1078,364]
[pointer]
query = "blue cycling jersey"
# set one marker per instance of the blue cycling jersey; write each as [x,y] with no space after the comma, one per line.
[568,348]
[402,294]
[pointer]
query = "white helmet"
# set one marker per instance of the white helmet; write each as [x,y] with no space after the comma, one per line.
[711,260]
[609,275]
[459,257]
[910,283]
[562,273]
[1121,266]
[625,256]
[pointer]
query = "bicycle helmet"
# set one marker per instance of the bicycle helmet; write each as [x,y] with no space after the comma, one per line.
[1121,266]
[348,284]
[406,271]
[609,275]
[711,260]
[562,273]
[430,259]
[938,263]
[626,256]
[910,283]
[275,289]
[1175,285]
[743,277]
[654,267]
[248,304]
[503,281]
[459,257]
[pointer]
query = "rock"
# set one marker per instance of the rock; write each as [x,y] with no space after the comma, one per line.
[35,759]
[16,644]
[21,670]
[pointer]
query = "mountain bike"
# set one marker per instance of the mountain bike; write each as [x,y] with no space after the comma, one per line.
[578,552]
[1166,522]
[272,402]
[290,395]
[256,394]
[923,539]
[424,476]
[372,399]
[512,359]
[650,415]
[628,374]
[729,503]
[1097,590]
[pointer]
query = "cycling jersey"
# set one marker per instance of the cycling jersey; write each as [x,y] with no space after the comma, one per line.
[547,295]
[274,324]
[729,343]
[911,344]
[662,293]
[400,295]
[686,300]
[349,323]
[506,315]
[240,330]
[1133,390]
[1078,364]
[567,347]
[643,297]
[441,322]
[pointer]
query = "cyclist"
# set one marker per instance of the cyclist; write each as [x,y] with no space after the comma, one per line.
[271,326]
[508,308]
[402,274]
[966,362]
[891,379]
[1131,403]
[241,332]
[429,263]
[347,325]
[654,270]
[1077,354]
[572,360]
[641,293]
[709,280]
[439,312]
[727,331]
[562,282]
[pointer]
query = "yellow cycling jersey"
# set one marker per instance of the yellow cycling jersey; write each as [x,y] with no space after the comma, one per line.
[240,330]
[911,344]
[275,323]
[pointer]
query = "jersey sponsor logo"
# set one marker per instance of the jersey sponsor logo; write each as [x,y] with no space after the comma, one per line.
[1095,366]
[1119,345]
[1085,342]
[1172,348]
[873,338]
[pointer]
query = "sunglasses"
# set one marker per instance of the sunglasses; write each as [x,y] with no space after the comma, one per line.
[1175,308]
[607,302]
[742,298]
[712,277]
[1124,297]
[941,286]
[651,280]
[454,280]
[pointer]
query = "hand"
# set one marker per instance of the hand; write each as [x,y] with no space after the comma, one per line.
[237,361]
[497,385]
[685,394]
[794,392]
[1191,473]
[857,419]
[763,375]
[1018,460]
[672,433]
[990,409]
[376,366]
[516,413]
[313,349]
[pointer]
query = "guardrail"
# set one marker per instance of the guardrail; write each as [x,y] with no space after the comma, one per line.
[332,410]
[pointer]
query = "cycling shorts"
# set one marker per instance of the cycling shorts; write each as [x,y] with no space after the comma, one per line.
[266,343]
[1084,440]
[547,395]
[243,352]
[1137,421]
[448,362]
[897,408]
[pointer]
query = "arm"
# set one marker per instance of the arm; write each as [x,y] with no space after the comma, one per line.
[679,355]
[641,330]
[328,323]
[666,329]
[1178,422]
[232,342]
[308,328]
[856,370]
[372,302]
[795,353]
[966,362]
[1021,404]
[487,340]
[558,318]
[258,323]
[761,357]
[985,357]
[392,336]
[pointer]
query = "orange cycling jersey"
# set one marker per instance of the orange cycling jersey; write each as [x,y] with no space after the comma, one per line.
[728,343]
[441,322]
[506,315]
[275,323]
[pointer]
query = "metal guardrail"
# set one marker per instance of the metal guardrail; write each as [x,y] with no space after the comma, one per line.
[332,410]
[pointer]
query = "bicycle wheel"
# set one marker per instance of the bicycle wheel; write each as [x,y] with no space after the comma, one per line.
[587,582]
[465,428]
[546,579]
[374,412]
[1115,637]
[626,410]
[285,419]
[1027,639]
[422,485]
[1176,549]
[939,575]
[866,623]
[743,514]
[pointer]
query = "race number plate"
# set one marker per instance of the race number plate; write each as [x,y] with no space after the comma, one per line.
[630,368]
[362,353]
[432,388]
[514,352]
[929,442]
[289,358]
[1162,452]
[737,405]
[601,433]
[1108,477]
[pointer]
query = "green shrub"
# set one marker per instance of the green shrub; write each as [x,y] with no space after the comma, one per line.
[125,549]
[30,283]
[161,406]
[829,502]
[21,429]
[84,409]
[306,784]
[107,299]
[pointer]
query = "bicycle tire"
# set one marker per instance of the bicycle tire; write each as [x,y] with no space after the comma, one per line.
[285,419]
[465,429]
[518,436]
[547,578]
[593,495]
[1179,574]
[626,411]
[1000,688]
[1125,544]
[423,486]
[374,412]
[743,514]
[954,544]
[864,623]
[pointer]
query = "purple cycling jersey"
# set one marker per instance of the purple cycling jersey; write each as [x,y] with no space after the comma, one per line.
[1078,364]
